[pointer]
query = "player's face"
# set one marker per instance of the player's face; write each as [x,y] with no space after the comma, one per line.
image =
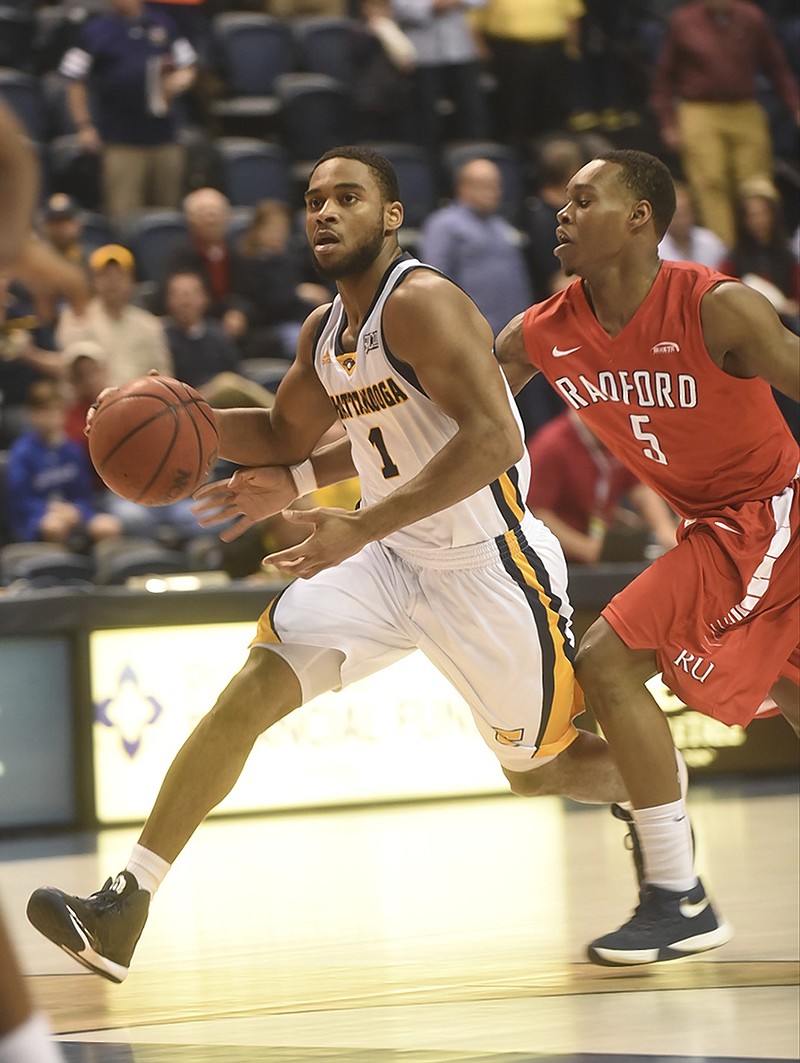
[345,218]
[593,225]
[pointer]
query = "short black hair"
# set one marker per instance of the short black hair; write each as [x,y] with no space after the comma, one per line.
[648,178]
[383,170]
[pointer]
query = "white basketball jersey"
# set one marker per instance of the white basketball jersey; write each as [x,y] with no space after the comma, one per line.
[395,430]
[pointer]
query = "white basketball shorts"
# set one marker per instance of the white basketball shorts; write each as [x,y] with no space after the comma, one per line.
[494,618]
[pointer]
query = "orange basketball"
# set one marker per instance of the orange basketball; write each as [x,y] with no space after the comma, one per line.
[154,440]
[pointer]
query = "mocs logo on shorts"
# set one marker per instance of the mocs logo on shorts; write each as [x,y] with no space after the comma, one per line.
[509,738]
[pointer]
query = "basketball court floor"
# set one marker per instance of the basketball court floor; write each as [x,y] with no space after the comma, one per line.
[444,932]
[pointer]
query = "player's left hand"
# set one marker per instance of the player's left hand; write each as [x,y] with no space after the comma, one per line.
[337,535]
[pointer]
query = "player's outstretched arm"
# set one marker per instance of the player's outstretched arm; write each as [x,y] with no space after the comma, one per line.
[19,185]
[746,338]
[513,358]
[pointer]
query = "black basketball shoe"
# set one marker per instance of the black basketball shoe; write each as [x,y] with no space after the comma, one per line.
[665,926]
[100,931]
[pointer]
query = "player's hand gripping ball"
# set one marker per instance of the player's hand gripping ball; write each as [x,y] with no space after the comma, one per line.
[154,440]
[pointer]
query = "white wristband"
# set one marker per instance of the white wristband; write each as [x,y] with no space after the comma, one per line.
[305,479]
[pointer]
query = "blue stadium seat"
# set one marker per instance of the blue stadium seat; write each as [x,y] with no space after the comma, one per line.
[98,230]
[505,157]
[151,235]
[316,114]
[254,170]
[325,46]
[17,35]
[253,50]
[416,176]
[22,93]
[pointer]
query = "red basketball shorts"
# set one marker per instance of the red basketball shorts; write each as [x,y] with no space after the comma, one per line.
[722,609]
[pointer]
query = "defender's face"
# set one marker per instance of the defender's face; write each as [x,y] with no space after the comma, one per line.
[345,217]
[593,225]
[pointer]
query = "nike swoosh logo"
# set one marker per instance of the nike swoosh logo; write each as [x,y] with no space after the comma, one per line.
[727,527]
[558,353]
[83,933]
[691,910]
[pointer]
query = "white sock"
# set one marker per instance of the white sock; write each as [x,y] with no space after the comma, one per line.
[148,867]
[665,835]
[683,780]
[30,1043]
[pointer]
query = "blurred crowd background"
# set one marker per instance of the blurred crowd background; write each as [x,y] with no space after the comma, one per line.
[175,139]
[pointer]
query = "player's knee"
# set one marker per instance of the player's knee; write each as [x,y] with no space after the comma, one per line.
[595,661]
[263,692]
[534,783]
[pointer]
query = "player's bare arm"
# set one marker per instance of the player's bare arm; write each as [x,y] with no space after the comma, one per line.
[512,356]
[436,329]
[19,184]
[746,338]
[288,432]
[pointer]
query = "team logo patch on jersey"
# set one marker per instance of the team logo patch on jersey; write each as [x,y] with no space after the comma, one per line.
[370,342]
[509,738]
[326,357]
[347,360]
[666,347]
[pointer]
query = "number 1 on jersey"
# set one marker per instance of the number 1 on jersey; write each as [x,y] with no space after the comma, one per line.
[653,451]
[389,468]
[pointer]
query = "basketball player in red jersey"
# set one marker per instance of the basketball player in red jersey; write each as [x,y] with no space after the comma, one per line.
[670,364]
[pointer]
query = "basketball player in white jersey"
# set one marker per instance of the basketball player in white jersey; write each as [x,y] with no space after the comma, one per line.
[441,556]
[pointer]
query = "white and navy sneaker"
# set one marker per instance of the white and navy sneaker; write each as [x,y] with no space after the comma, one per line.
[666,925]
[100,931]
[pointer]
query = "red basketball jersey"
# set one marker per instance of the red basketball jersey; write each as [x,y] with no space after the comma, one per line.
[699,437]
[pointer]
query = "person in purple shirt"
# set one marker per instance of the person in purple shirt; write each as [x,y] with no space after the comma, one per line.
[123,76]
[473,244]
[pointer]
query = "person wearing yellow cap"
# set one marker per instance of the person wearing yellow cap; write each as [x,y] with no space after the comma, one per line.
[132,338]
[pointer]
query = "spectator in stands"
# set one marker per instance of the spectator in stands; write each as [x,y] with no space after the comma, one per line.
[530,43]
[51,493]
[447,66]
[384,60]
[577,485]
[61,226]
[685,240]
[199,345]
[208,253]
[270,277]
[705,94]
[25,355]
[87,375]
[558,159]
[203,354]
[132,339]
[473,244]
[124,74]
[762,255]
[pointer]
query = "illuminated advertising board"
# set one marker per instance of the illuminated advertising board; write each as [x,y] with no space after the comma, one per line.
[402,733]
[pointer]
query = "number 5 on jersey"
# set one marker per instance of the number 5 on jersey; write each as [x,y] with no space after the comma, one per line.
[653,451]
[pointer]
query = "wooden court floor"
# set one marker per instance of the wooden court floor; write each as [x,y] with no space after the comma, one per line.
[447,932]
